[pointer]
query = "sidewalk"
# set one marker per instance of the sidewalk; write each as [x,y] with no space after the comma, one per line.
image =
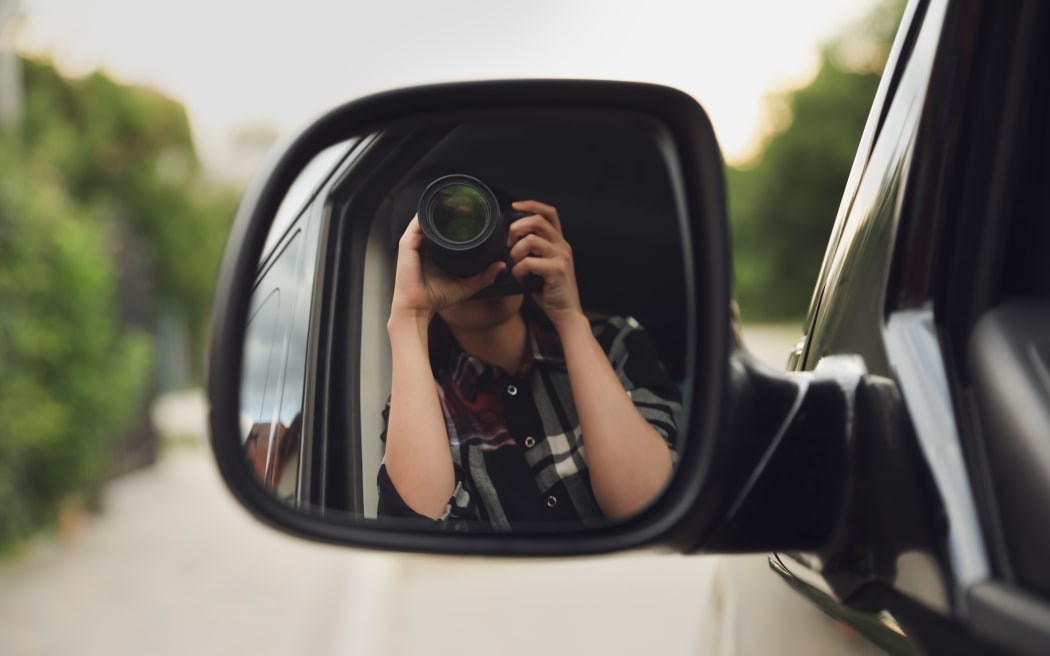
[172,566]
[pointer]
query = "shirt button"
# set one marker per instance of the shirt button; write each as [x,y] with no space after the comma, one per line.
[552,501]
[513,391]
[530,442]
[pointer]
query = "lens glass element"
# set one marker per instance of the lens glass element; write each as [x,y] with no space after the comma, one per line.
[460,212]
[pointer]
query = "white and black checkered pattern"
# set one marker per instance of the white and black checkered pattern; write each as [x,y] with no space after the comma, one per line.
[528,463]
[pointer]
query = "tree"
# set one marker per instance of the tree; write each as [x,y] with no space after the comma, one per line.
[783,202]
[72,374]
[104,213]
[128,152]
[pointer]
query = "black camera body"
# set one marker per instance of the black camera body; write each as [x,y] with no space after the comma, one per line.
[466,231]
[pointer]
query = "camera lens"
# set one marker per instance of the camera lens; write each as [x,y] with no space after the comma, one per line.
[461,221]
[460,212]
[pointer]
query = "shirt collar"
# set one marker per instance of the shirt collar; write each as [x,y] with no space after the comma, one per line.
[468,373]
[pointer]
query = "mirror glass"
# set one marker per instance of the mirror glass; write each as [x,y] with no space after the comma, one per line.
[550,400]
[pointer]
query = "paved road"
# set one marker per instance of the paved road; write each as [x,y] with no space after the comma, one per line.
[174,566]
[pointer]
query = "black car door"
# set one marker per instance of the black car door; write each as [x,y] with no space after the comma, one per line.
[937,275]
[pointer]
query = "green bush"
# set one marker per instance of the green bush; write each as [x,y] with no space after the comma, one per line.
[70,375]
[783,203]
[128,152]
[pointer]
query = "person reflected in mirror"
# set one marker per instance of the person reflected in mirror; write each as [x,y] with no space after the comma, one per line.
[510,410]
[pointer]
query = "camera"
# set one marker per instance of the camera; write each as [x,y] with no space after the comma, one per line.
[466,231]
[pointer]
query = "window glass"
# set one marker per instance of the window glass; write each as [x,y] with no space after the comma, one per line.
[303,189]
[270,426]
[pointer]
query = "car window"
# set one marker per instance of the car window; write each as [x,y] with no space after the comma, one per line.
[268,402]
[305,186]
[999,297]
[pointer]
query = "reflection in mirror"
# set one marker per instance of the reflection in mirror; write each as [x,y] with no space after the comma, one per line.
[546,389]
[271,392]
[274,375]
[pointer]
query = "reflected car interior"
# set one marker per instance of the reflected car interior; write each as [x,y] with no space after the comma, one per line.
[609,175]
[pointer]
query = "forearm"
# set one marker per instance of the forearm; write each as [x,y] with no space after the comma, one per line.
[629,461]
[418,459]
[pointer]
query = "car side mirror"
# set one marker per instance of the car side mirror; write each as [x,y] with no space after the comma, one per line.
[299,366]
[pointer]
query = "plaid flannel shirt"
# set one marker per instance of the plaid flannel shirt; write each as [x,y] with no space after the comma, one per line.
[516,442]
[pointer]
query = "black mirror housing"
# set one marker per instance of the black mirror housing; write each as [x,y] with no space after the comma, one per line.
[679,518]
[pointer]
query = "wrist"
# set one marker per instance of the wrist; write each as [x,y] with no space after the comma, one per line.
[405,322]
[571,324]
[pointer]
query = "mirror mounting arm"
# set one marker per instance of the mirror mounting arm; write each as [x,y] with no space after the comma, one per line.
[817,448]
[797,431]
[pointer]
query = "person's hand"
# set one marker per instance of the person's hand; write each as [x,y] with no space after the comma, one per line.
[421,289]
[538,247]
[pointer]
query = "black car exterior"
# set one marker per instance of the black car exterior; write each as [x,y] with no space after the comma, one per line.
[936,275]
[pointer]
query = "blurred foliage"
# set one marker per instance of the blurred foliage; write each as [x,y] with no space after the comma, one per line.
[783,202]
[105,216]
[72,374]
[128,152]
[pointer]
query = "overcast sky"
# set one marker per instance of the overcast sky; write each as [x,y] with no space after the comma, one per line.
[235,62]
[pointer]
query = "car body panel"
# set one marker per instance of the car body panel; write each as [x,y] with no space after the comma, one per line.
[890,292]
